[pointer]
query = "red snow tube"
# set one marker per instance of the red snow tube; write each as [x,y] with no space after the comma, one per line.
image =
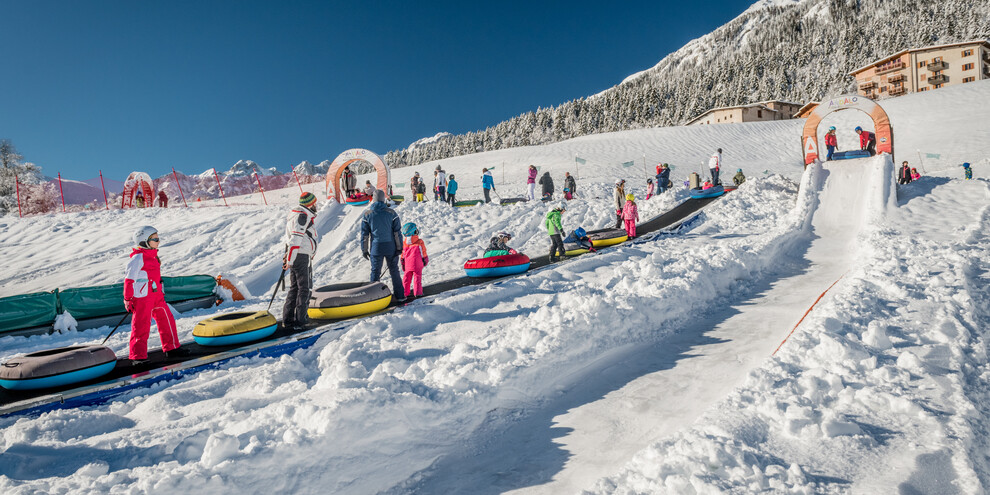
[497,266]
[357,199]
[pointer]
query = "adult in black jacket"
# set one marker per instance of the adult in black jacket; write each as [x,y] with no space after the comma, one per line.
[547,184]
[569,184]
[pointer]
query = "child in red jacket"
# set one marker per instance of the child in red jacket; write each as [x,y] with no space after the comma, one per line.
[414,258]
[144,298]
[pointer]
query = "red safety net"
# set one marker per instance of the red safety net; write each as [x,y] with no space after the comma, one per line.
[164,191]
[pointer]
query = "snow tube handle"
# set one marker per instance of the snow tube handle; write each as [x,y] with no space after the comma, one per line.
[11,365]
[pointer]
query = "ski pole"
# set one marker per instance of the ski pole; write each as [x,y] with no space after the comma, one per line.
[121,322]
[281,282]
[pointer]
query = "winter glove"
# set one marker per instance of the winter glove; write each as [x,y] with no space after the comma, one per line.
[426,260]
[129,305]
[366,255]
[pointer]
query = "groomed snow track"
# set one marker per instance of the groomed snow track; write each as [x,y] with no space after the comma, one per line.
[160,368]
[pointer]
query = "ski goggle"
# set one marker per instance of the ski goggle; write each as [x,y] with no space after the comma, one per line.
[154,239]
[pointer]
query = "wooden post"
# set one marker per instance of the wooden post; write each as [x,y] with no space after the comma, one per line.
[176,177]
[107,203]
[261,188]
[220,187]
[60,193]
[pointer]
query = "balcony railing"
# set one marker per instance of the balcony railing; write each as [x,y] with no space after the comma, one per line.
[897,64]
[897,90]
[937,66]
[866,86]
[939,79]
[895,78]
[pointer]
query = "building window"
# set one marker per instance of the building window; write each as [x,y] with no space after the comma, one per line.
[921,64]
[923,89]
[937,86]
[759,113]
[967,66]
[968,79]
[967,53]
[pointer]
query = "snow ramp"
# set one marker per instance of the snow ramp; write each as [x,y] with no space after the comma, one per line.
[837,203]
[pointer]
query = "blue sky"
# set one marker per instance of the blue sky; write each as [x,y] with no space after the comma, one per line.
[124,85]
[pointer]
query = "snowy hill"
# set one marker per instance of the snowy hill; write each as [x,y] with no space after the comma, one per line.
[649,368]
[792,50]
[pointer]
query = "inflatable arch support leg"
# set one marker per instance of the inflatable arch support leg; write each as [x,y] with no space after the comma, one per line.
[881,123]
[351,156]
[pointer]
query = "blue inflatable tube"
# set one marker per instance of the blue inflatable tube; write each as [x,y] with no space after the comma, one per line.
[498,271]
[239,338]
[711,192]
[61,379]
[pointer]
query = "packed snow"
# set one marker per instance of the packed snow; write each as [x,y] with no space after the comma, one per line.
[646,368]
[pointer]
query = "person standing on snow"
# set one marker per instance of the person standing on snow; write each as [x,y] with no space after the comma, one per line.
[139,199]
[620,201]
[451,190]
[904,176]
[967,171]
[867,141]
[144,298]
[663,178]
[914,174]
[162,199]
[381,241]
[830,142]
[441,184]
[547,184]
[531,183]
[414,258]
[301,240]
[739,178]
[487,183]
[649,188]
[714,165]
[414,187]
[630,215]
[570,186]
[350,181]
[555,230]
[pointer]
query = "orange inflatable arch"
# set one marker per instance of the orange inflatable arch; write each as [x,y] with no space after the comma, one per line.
[881,123]
[348,157]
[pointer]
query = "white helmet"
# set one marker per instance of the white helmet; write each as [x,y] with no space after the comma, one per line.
[619,182]
[561,206]
[142,234]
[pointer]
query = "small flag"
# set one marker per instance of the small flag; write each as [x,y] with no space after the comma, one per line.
[399,184]
[628,164]
[491,168]
[933,155]
[582,161]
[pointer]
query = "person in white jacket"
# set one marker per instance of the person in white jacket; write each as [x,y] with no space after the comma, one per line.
[300,246]
[714,165]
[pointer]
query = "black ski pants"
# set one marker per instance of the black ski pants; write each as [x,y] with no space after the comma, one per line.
[556,246]
[297,298]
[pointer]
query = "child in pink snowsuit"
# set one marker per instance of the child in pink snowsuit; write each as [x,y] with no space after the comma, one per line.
[649,188]
[630,214]
[414,258]
[144,297]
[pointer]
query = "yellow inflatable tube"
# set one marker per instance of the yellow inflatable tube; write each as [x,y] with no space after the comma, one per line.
[609,242]
[340,312]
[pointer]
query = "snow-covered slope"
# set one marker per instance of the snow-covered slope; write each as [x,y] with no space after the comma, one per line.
[546,383]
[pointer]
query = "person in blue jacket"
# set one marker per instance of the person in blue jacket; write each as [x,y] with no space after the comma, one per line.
[663,178]
[967,171]
[451,189]
[580,237]
[381,240]
[487,184]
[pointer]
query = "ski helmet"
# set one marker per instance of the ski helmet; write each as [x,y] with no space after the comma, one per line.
[142,234]
[451,177]
[831,128]
[409,229]
[649,181]
[562,206]
[580,232]
[630,197]
[966,165]
[504,234]
[619,182]
[720,150]
[739,170]
[858,128]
